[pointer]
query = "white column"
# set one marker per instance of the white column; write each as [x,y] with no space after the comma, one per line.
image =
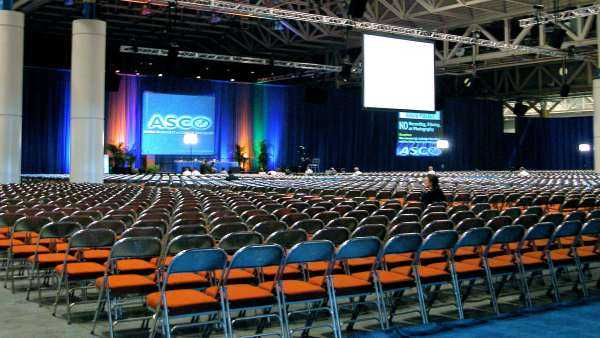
[87,100]
[11,94]
[596,96]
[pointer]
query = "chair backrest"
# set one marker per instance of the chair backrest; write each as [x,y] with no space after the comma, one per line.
[198,260]
[461,215]
[576,215]
[189,241]
[155,232]
[506,234]
[513,212]
[237,240]
[488,214]
[188,229]
[224,229]
[374,219]
[405,218]
[136,247]
[292,218]
[555,217]
[359,247]
[567,229]
[311,251]
[405,228]
[527,220]
[92,238]
[370,230]
[535,210]
[402,243]
[469,223]
[439,240]
[115,225]
[537,232]
[499,222]
[256,256]
[327,216]
[266,228]
[474,237]
[161,224]
[433,216]
[349,223]
[59,230]
[309,225]
[591,227]
[437,225]
[30,223]
[256,219]
[287,238]
[336,235]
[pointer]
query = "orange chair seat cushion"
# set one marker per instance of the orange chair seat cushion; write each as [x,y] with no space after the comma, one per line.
[466,251]
[461,268]
[81,269]
[432,255]
[184,301]
[288,270]
[344,283]
[185,280]
[4,230]
[527,260]
[24,234]
[494,264]
[320,267]
[127,283]
[557,256]
[95,254]
[134,264]
[398,259]
[166,261]
[297,290]
[361,262]
[240,295]
[5,243]
[51,258]
[427,273]
[388,279]
[236,275]
[27,250]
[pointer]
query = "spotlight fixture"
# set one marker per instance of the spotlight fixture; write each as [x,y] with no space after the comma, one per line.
[160,74]
[442,144]
[231,80]
[198,77]
[585,147]
[117,71]
[137,73]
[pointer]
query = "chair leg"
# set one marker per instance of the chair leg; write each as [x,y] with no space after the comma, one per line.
[337,327]
[32,276]
[524,287]
[109,310]
[490,283]
[67,291]
[456,288]
[98,308]
[58,291]
[554,281]
[422,304]
[581,276]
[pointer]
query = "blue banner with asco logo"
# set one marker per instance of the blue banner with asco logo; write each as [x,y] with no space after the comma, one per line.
[167,118]
[418,134]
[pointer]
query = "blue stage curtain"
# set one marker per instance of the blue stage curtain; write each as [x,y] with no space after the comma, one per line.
[553,143]
[46,114]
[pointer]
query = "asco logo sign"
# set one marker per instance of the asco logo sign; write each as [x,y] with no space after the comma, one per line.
[174,122]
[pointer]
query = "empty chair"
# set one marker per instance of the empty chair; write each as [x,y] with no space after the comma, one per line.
[499,222]
[527,220]
[267,228]
[404,218]
[309,225]
[480,207]
[254,220]
[380,219]
[225,229]
[326,216]
[349,223]
[433,216]
[292,218]
[535,210]
[461,215]
[469,223]
[405,228]
[511,212]
[437,225]
[357,214]
[487,215]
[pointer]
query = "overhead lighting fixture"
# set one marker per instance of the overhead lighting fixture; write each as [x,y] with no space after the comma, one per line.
[160,75]
[117,71]
[442,144]
[198,77]
[560,16]
[245,10]
[585,147]
[231,80]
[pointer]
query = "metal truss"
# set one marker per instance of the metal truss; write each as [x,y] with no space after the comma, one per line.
[231,58]
[561,16]
[247,10]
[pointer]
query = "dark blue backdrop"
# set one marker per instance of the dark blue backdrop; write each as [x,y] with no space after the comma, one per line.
[339,132]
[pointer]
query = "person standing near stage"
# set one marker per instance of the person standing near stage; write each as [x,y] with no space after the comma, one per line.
[433,193]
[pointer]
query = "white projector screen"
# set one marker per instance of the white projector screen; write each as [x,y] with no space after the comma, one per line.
[398,74]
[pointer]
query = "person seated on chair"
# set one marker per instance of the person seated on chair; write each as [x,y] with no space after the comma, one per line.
[231,176]
[204,167]
[523,172]
[212,166]
[433,193]
[308,171]
[186,172]
[356,171]
[195,172]
[430,170]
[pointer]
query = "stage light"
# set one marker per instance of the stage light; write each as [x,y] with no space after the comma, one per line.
[160,75]
[190,139]
[231,80]
[198,77]
[442,144]
[137,73]
[585,147]
[117,71]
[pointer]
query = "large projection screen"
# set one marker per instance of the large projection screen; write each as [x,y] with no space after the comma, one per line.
[398,74]
[167,118]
